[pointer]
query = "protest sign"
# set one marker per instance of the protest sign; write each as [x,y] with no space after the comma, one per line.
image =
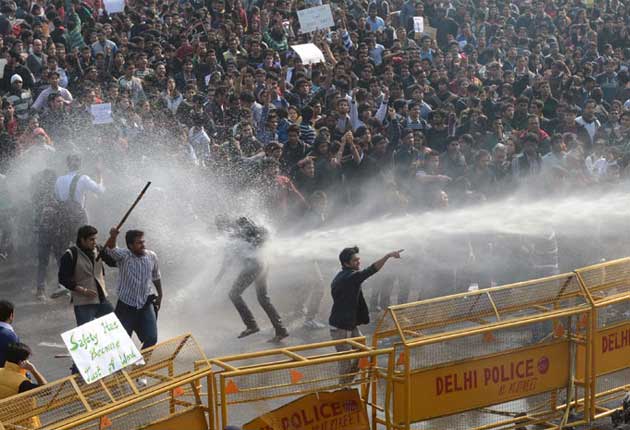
[430,31]
[418,24]
[309,53]
[315,18]
[100,347]
[114,6]
[101,113]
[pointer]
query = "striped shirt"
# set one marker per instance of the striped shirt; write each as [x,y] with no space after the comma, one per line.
[135,275]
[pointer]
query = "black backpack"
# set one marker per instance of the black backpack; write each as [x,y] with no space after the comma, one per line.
[71,211]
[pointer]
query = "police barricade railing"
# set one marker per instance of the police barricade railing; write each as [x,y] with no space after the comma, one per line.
[501,357]
[608,362]
[249,386]
[61,402]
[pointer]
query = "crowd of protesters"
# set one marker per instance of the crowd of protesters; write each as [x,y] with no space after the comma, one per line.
[496,96]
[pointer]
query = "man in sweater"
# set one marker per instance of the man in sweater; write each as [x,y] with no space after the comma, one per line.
[82,274]
[349,308]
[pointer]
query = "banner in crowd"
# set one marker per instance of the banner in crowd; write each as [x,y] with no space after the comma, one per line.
[309,53]
[100,347]
[315,18]
[339,410]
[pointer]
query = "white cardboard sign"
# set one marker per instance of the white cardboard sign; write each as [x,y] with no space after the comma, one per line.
[101,113]
[418,24]
[315,18]
[114,6]
[100,347]
[309,53]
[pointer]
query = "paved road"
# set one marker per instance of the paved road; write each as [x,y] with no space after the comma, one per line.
[191,305]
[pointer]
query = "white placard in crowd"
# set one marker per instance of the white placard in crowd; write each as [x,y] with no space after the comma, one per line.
[315,18]
[418,24]
[101,113]
[100,347]
[114,6]
[309,53]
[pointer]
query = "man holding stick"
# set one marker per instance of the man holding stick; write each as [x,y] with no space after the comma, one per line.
[139,285]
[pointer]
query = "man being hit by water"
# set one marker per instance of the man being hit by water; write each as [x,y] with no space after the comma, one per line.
[248,240]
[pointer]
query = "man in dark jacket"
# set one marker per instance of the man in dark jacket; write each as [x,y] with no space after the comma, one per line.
[349,308]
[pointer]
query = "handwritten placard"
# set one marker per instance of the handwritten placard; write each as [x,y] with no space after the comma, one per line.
[315,18]
[101,113]
[418,24]
[114,6]
[100,347]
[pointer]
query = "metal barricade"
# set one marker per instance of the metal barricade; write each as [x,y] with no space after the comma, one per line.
[250,385]
[171,384]
[501,357]
[607,286]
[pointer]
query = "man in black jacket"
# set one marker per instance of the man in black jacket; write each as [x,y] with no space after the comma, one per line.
[349,308]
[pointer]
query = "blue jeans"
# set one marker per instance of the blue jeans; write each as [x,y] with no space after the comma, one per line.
[143,321]
[87,313]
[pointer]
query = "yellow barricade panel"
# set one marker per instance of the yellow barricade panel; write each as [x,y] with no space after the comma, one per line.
[484,381]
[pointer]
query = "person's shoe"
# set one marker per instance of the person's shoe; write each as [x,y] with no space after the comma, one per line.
[41,295]
[142,382]
[4,256]
[279,336]
[248,331]
[314,324]
[60,292]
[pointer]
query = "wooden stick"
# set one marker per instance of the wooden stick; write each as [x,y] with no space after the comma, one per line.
[122,221]
[124,218]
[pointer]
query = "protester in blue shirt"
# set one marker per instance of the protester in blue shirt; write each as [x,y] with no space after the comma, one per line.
[375,22]
[7,334]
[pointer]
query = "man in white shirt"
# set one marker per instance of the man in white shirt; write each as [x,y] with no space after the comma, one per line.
[84,184]
[42,100]
[71,190]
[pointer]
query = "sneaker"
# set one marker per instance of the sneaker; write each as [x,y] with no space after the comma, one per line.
[314,324]
[279,336]
[248,331]
[60,292]
[142,382]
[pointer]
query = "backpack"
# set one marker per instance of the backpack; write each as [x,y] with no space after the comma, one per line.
[71,211]
[252,233]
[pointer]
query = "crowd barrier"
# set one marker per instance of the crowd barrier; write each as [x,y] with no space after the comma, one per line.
[252,384]
[501,357]
[607,287]
[552,352]
[171,388]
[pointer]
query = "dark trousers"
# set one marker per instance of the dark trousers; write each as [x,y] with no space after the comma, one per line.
[87,313]
[47,243]
[142,321]
[254,271]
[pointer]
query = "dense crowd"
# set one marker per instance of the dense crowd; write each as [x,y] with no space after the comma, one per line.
[506,93]
[494,98]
